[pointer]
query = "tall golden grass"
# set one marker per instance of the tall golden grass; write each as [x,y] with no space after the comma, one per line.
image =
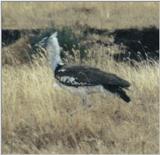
[36,117]
[110,15]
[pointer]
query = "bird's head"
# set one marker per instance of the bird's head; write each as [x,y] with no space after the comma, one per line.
[53,41]
[53,49]
[53,45]
[50,41]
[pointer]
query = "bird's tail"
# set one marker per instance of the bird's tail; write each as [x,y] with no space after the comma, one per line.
[121,93]
[118,91]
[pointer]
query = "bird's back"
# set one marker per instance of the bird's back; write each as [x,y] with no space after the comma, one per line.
[91,76]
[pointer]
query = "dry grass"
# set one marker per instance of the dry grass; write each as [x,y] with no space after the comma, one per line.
[36,117]
[110,15]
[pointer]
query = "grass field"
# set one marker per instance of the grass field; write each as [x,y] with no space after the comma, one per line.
[108,15]
[36,118]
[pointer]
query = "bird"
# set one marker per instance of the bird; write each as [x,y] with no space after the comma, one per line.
[82,78]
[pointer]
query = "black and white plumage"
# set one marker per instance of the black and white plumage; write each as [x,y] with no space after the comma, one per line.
[78,77]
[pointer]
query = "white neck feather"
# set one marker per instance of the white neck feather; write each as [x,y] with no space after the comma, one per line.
[53,49]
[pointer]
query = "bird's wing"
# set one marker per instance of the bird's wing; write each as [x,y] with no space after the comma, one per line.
[114,80]
[75,76]
[88,76]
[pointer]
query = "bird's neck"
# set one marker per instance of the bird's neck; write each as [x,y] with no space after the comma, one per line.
[54,56]
[59,66]
[55,62]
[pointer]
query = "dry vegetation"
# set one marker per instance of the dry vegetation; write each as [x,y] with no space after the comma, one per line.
[36,117]
[100,15]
